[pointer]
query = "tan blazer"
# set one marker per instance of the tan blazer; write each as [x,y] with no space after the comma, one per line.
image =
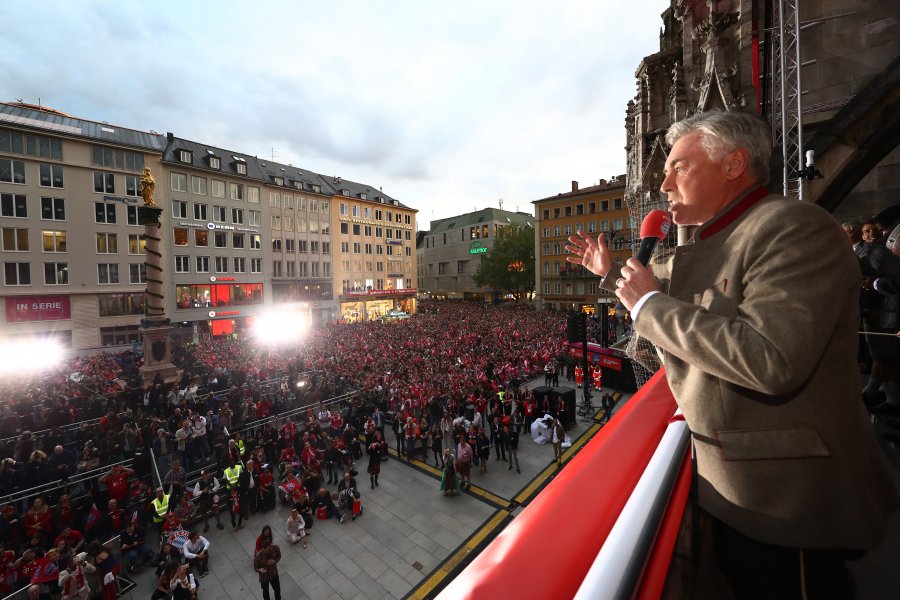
[758,333]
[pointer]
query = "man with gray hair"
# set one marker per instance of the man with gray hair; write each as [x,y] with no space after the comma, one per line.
[756,321]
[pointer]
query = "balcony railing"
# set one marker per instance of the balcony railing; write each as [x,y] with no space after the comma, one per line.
[614,511]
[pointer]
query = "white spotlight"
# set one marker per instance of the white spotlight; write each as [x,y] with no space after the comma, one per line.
[280,327]
[29,355]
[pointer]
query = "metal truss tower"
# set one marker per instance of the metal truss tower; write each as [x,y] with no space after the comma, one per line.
[784,69]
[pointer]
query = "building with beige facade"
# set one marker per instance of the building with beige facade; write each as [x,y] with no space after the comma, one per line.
[72,247]
[595,209]
[241,236]
[451,250]
[374,251]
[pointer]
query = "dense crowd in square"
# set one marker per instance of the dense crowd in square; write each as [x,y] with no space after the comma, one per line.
[248,426]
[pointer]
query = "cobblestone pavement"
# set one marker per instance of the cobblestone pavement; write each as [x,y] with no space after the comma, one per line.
[407,529]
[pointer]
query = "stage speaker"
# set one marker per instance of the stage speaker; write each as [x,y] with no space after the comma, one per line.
[575,327]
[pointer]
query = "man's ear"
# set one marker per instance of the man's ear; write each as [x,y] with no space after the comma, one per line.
[736,163]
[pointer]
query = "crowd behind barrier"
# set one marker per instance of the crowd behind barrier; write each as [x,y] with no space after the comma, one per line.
[87,446]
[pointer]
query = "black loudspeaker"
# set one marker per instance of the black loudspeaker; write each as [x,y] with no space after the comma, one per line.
[575,327]
[142,465]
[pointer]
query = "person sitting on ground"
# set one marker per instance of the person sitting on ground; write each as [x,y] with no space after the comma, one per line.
[347,493]
[196,552]
[167,555]
[296,529]
[183,585]
[323,501]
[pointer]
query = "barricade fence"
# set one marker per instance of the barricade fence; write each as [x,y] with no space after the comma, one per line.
[115,547]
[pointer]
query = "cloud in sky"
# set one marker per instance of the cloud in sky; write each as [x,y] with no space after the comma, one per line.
[446,107]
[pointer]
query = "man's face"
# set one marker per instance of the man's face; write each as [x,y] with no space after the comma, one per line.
[696,186]
[870,233]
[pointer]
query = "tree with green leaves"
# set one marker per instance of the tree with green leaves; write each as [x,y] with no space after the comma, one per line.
[509,266]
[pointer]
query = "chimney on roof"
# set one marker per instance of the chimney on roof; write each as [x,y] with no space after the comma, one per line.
[602,184]
[574,186]
[170,136]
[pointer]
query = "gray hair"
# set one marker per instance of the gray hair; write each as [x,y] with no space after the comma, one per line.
[723,132]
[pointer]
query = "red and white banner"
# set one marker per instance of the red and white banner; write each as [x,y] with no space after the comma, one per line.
[22,309]
[597,353]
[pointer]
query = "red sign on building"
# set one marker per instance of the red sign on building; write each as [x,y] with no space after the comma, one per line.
[22,309]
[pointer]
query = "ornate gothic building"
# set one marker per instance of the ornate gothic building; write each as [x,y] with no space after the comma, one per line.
[721,54]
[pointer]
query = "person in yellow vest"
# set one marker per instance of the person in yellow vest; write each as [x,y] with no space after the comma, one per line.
[160,506]
[237,502]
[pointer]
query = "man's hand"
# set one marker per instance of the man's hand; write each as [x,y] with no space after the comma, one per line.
[636,280]
[591,254]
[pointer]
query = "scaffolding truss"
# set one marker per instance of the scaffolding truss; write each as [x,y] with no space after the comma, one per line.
[784,73]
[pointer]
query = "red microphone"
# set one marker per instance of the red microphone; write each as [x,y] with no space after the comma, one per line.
[654,228]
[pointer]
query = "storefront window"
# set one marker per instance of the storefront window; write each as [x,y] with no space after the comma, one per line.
[121,335]
[120,305]
[216,295]
[180,236]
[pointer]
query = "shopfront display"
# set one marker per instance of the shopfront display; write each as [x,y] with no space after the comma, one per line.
[216,295]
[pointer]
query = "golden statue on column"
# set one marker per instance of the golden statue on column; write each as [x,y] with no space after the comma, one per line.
[147,185]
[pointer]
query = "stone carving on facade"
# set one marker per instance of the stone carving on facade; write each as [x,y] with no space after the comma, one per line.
[715,23]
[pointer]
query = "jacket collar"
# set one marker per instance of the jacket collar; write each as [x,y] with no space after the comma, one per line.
[731,213]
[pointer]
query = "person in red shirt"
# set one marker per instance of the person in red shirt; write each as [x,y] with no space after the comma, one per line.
[38,520]
[308,454]
[113,521]
[597,376]
[266,489]
[288,432]
[46,570]
[481,405]
[336,422]
[27,566]
[287,459]
[263,408]
[530,409]
[72,537]
[116,482]
[171,524]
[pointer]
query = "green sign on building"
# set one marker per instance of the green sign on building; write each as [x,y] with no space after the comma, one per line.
[477,248]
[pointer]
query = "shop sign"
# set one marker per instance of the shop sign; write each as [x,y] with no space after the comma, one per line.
[215,279]
[477,247]
[21,309]
[223,313]
[216,226]
[212,226]
[120,199]
[376,293]
[394,243]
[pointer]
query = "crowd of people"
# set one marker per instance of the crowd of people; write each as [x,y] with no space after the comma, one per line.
[245,427]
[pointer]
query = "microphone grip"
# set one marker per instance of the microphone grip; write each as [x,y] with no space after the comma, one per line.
[645,251]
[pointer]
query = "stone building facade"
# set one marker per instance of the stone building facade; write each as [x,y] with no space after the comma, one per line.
[717,54]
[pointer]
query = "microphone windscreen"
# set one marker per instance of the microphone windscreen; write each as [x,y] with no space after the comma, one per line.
[656,225]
